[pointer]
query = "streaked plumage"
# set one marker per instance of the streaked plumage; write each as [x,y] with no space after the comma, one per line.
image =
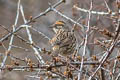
[64,41]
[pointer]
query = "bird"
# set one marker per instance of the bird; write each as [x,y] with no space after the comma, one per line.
[64,40]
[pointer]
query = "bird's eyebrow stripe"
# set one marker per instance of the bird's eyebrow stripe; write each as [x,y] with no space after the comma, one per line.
[59,22]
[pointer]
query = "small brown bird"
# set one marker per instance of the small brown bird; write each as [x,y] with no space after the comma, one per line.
[64,41]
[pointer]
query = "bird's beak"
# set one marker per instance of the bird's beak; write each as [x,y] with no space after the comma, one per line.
[51,26]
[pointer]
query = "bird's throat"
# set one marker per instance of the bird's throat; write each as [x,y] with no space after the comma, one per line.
[55,30]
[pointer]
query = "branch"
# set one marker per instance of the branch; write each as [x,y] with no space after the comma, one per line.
[36,52]
[33,19]
[12,37]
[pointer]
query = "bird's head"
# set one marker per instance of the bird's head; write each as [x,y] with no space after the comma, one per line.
[58,25]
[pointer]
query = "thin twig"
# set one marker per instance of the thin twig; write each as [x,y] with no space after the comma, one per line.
[85,43]
[30,38]
[33,19]
[12,37]
[64,16]
[93,12]
[108,53]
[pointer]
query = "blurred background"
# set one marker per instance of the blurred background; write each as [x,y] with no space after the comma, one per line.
[8,10]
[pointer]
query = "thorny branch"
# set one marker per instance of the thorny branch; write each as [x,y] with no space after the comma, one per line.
[30,38]
[86,41]
[12,37]
[109,52]
[33,19]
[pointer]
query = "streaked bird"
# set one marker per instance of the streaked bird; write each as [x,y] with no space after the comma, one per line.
[64,40]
